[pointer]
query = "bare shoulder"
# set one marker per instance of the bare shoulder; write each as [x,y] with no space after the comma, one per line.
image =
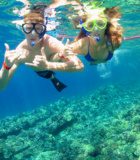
[52,43]
[48,40]
[22,45]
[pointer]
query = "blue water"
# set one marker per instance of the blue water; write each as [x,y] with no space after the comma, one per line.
[26,90]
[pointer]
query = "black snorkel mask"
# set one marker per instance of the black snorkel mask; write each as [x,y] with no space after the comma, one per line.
[39,28]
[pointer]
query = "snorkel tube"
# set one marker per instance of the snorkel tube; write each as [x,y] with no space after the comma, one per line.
[32,43]
[41,35]
[39,7]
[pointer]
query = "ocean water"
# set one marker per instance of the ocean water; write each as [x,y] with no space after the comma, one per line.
[26,90]
[98,112]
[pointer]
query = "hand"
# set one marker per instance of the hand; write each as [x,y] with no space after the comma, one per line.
[24,53]
[67,50]
[10,56]
[67,42]
[40,62]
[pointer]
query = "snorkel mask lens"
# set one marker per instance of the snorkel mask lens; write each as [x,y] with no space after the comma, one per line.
[40,28]
[101,24]
[28,28]
[89,26]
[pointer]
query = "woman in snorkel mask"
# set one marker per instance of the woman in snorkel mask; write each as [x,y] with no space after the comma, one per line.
[100,35]
[36,51]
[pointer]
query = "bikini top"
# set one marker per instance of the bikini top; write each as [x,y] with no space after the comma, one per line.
[90,59]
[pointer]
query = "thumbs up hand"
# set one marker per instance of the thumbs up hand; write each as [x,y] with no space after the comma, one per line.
[40,62]
[10,56]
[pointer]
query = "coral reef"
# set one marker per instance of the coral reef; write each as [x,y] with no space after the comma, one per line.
[104,125]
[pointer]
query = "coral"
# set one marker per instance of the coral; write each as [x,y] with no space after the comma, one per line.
[49,155]
[103,125]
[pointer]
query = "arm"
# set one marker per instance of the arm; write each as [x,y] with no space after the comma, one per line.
[69,63]
[80,46]
[65,59]
[131,38]
[6,75]
[73,64]
[74,48]
[9,67]
[60,58]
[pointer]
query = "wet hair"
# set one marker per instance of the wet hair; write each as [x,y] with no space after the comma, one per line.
[113,30]
[38,7]
[34,17]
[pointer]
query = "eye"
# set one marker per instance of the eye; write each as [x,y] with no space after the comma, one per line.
[39,28]
[27,28]
[90,24]
[101,23]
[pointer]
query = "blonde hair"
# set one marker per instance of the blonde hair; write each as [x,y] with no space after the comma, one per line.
[34,17]
[113,29]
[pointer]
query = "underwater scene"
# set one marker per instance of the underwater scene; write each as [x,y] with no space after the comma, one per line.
[97,115]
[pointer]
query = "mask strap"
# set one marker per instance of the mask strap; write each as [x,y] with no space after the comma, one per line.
[42,34]
[83,29]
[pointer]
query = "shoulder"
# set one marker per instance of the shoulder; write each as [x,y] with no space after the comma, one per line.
[52,43]
[21,45]
[49,39]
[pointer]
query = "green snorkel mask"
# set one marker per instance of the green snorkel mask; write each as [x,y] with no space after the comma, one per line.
[97,19]
[91,25]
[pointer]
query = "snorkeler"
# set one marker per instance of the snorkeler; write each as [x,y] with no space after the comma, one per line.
[36,51]
[100,34]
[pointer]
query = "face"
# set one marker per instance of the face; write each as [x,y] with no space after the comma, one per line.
[96,25]
[33,31]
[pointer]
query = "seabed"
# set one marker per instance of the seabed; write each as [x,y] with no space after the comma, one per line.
[104,125]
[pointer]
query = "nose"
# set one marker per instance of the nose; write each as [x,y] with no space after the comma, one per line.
[95,28]
[33,33]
